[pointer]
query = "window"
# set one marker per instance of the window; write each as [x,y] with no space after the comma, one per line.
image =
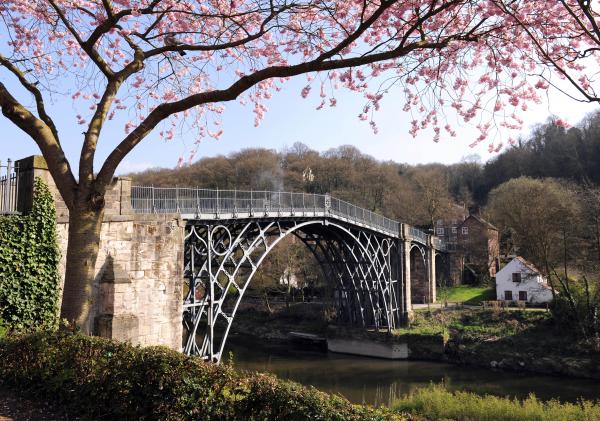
[439,222]
[439,231]
[465,230]
[454,230]
[516,277]
[522,295]
[508,295]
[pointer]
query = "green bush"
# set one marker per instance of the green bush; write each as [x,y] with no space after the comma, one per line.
[436,403]
[98,378]
[29,282]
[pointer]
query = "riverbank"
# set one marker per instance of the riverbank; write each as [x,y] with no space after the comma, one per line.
[514,340]
[95,378]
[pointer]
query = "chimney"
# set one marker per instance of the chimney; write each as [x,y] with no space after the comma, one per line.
[474,210]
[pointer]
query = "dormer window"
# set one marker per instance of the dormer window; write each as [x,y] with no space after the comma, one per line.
[516,277]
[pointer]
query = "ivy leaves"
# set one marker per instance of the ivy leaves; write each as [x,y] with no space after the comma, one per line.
[29,256]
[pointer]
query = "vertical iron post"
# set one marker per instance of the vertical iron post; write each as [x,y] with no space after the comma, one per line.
[7,186]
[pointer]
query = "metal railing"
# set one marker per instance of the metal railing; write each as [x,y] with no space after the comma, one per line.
[418,234]
[200,202]
[439,244]
[146,199]
[9,192]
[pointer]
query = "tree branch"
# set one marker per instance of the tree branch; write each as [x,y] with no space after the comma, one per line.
[244,83]
[89,49]
[43,136]
[32,88]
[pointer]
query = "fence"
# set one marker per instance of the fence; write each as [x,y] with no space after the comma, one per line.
[9,192]
[146,199]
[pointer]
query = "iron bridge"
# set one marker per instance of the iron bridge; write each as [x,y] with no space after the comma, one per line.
[229,233]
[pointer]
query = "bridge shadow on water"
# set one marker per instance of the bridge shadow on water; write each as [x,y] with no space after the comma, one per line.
[381,382]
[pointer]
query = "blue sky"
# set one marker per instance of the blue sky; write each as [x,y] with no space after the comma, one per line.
[289,119]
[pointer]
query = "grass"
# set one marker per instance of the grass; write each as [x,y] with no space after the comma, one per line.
[480,324]
[437,403]
[466,294]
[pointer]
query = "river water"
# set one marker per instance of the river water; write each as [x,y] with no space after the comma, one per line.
[381,382]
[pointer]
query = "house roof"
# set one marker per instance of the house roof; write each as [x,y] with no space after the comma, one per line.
[481,221]
[528,264]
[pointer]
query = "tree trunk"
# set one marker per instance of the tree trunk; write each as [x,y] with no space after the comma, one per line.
[82,252]
[267,304]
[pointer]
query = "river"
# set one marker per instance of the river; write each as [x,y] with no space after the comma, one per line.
[380,382]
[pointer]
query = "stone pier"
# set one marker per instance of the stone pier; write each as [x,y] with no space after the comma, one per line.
[137,291]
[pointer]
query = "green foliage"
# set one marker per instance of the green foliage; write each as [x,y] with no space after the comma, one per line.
[98,378]
[577,307]
[436,403]
[29,256]
[3,329]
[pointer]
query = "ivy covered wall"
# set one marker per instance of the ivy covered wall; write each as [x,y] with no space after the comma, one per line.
[29,256]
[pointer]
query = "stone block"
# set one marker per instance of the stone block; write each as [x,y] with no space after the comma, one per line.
[120,327]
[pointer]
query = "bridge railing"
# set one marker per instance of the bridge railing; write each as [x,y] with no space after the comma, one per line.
[418,234]
[9,192]
[148,199]
[348,210]
[438,244]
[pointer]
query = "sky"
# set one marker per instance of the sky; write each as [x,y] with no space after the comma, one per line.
[290,119]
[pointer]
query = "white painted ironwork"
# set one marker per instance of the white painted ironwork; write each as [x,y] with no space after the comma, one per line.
[9,192]
[222,258]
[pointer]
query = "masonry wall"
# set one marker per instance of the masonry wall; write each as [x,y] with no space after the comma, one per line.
[137,291]
[420,288]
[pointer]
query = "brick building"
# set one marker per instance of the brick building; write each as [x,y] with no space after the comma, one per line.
[473,246]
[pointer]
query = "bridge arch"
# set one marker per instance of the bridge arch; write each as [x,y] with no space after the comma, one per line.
[420,276]
[221,260]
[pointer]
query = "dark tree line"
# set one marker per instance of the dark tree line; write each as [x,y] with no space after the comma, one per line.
[549,151]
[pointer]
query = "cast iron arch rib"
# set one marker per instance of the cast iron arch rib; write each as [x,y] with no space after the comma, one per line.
[222,258]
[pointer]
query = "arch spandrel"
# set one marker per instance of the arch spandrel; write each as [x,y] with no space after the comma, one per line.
[224,256]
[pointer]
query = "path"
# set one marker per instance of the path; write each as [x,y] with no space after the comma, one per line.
[14,406]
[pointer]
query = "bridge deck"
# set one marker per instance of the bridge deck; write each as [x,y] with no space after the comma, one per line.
[206,204]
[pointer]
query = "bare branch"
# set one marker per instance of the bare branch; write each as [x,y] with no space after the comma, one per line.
[32,88]
[41,133]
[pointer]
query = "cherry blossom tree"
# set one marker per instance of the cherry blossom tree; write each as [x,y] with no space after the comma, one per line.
[566,40]
[167,65]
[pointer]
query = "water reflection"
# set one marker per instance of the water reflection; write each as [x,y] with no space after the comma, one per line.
[380,382]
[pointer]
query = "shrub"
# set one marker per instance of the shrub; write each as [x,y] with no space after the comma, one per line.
[577,307]
[95,378]
[435,402]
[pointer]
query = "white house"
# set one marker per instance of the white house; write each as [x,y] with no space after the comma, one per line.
[519,280]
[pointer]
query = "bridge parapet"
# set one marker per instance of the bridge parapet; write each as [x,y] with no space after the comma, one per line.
[438,244]
[195,203]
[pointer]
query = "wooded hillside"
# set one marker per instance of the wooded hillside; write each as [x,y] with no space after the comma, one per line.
[415,194]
